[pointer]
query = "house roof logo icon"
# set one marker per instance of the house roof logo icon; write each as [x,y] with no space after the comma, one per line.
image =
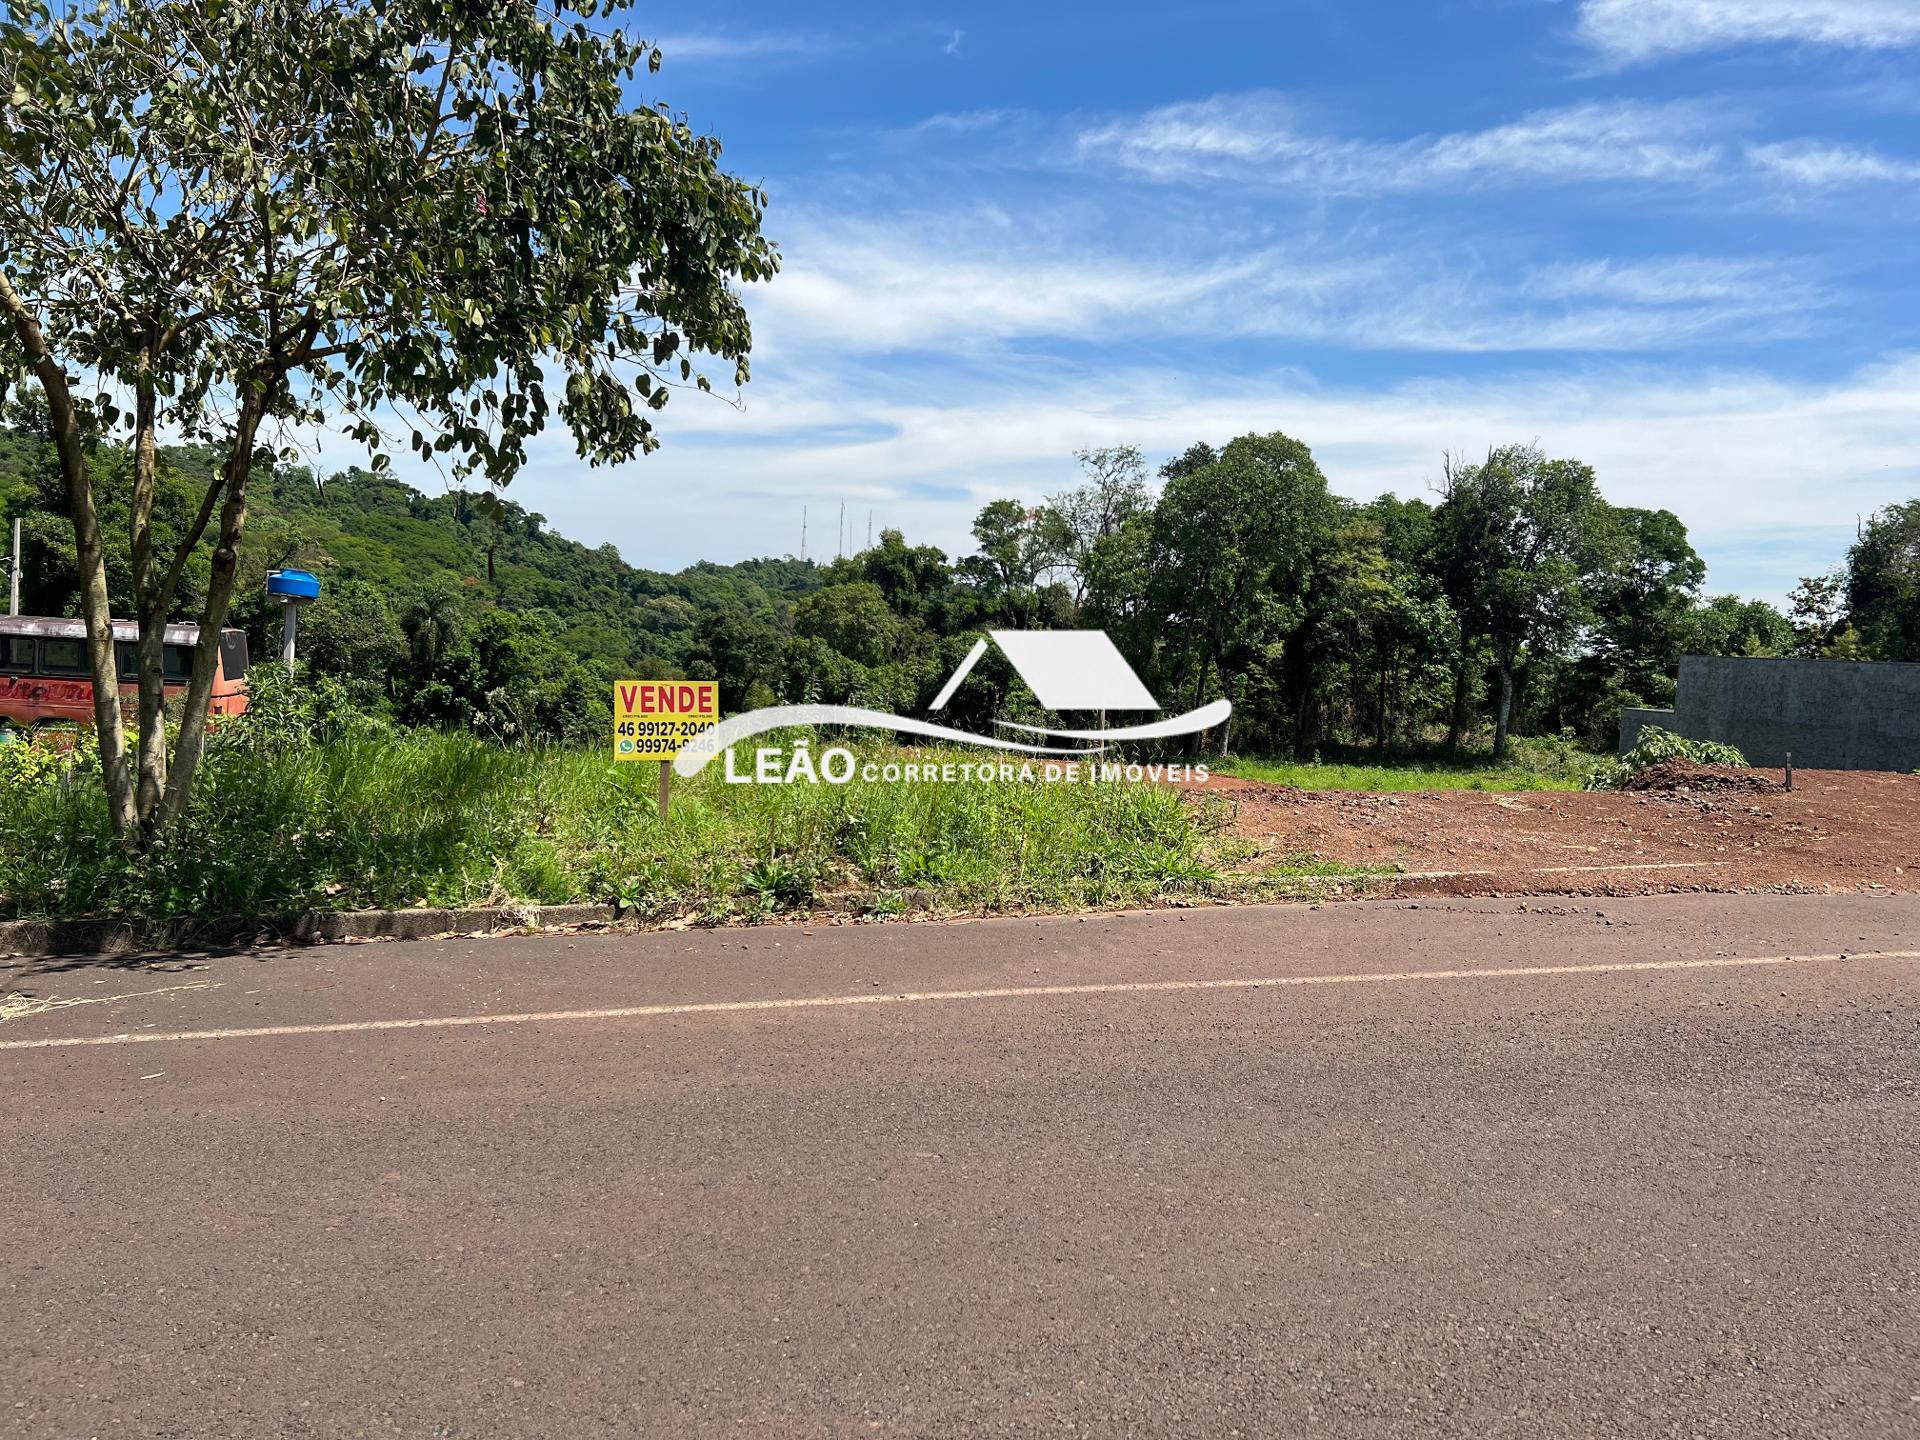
[1065,670]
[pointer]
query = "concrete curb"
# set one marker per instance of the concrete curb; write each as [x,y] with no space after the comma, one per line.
[206,932]
[320,927]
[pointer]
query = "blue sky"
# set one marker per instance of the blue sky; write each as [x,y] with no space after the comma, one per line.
[1674,238]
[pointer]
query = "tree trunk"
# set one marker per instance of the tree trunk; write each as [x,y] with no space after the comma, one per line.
[97,611]
[1457,725]
[1199,689]
[95,607]
[1502,719]
[206,655]
[150,607]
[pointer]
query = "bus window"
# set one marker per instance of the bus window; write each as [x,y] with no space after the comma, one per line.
[16,654]
[127,657]
[177,663]
[63,657]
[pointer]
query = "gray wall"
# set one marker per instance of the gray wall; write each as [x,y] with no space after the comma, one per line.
[1832,714]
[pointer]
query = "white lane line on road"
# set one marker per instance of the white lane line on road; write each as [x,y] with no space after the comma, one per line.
[907,997]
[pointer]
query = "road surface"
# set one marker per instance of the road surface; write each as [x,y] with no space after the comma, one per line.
[1632,1167]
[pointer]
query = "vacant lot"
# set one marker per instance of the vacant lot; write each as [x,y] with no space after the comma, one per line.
[1835,831]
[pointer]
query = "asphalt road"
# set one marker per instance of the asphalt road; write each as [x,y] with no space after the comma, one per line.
[1454,1169]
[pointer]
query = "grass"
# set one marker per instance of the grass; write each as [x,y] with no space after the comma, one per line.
[1534,764]
[402,819]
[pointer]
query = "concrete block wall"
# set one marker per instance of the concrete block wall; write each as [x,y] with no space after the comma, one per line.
[1632,719]
[1831,714]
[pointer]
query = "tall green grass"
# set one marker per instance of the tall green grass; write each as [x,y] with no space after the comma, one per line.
[395,820]
[1535,764]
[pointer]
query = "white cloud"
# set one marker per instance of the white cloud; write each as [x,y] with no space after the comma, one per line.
[1809,162]
[1259,136]
[1755,466]
[758,45]
[957,282]
[1620,140]
[1675,280]
[1639,30]
[971,282]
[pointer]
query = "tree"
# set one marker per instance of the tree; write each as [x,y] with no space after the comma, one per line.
[1817,607]
[740,651]
[235,217]
[352,633]
[1235,541]
[1642,595]
[1728,625]
[853,619]
[1375,626]
[1073,522]
[1012,556]
[1883,583]
[1516,533]
[914,578]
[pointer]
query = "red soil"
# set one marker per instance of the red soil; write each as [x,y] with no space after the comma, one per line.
[1681,828]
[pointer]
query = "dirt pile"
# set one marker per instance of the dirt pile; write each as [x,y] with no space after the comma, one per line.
[1683,775]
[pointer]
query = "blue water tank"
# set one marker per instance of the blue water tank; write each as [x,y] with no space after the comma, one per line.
[299,587]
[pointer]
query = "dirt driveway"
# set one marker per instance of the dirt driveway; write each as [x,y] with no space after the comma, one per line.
[1835,831]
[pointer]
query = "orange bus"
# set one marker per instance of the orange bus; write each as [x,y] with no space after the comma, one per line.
[45,678]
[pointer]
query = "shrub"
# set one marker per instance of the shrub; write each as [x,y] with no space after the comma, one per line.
[40,760]
[1656,745]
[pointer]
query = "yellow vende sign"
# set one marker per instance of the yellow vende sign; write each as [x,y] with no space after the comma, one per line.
[652,719]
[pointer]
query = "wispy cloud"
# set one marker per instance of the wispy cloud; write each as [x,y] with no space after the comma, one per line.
[718,45]
[1676,280]
[1259,136]
[970,281]
[952,47]
[927,456]
[1632,31]
[1809,162]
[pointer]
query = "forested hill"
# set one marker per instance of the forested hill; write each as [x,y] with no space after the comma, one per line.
[1523,593]
[455,607]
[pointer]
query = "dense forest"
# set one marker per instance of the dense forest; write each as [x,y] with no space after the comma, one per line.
[1518,597]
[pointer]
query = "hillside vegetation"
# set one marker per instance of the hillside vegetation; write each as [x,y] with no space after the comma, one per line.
[1353,629]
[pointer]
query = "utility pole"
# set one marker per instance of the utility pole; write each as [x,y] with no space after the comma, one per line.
[803,534]
[869,529]
[13,605]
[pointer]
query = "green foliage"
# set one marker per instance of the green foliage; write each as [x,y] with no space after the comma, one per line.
[244,216]
[1656,745]
[1883,584]
[1236,542]
[1537,763]
[1728,625]
[428,207]
[1520,540]
[287,714]
[447,611]
[1818,607]
[294,818]
[30,763]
